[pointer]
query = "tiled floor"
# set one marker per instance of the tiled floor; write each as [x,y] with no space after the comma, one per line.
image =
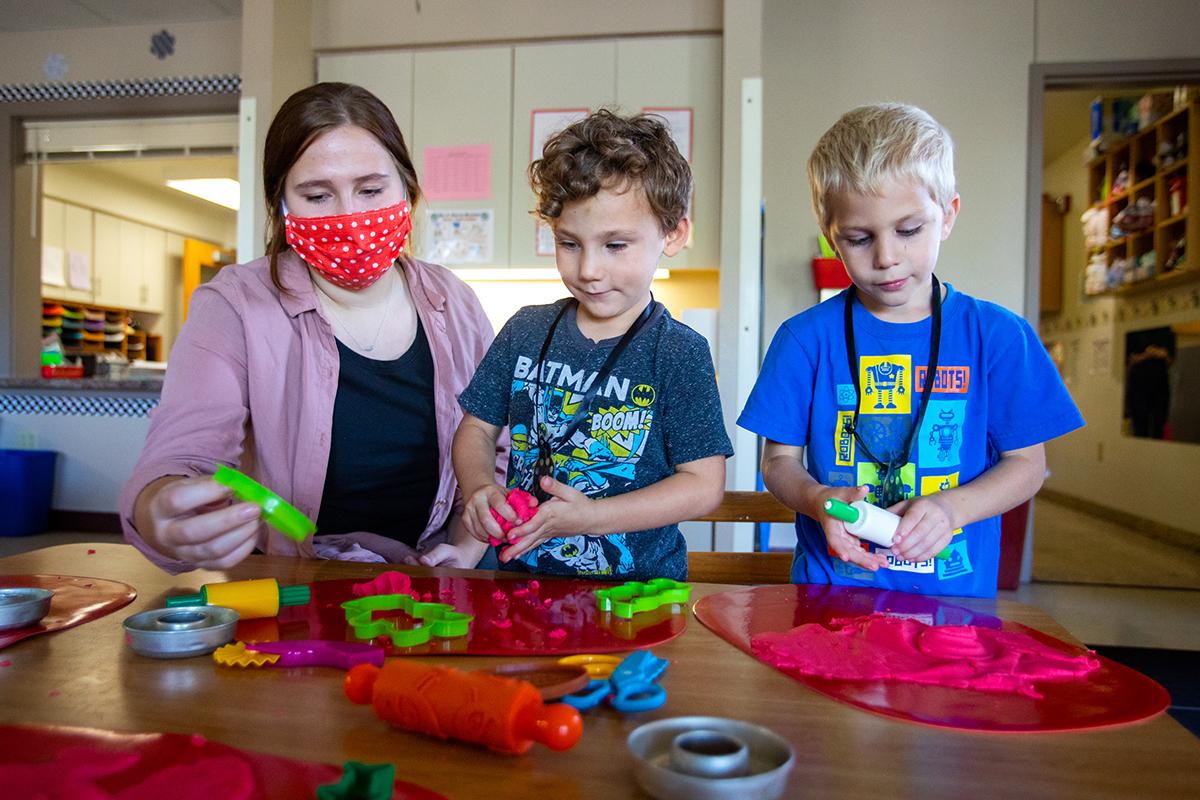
[1081,553]
[1070,546]
[1110,586]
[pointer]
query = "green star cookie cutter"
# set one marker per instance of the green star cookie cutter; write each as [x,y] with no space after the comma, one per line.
[635,597]
[276,512]
[437,619]
[361,782]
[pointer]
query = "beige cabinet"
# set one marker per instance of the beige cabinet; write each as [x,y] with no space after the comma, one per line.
[154,270]
[130,264]
[461,99]
[67,229]
[388,76]
[106,260]
[489,95]
[680,75]
[131,252]
[548,77]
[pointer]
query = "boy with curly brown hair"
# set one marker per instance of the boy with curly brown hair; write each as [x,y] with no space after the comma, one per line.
[611,403]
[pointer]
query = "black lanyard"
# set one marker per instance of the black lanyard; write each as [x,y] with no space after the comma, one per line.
[546,449]
[891,484]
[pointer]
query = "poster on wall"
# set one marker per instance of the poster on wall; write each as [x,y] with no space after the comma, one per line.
[460,236]
[544,237]
[79,270]
[548,121]
[461,172]
[53,272]
[679,122]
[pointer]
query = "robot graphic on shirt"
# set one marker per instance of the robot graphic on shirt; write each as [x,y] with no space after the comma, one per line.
[946,434]
[886,378]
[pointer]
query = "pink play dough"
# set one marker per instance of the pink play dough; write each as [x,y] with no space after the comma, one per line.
[521,502]
[882,647]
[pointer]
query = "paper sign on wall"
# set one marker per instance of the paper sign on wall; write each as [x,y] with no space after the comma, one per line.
[679,122]
[52,266]
[544,238]
[79,270]
[547,122]
[461,236]
[458,173]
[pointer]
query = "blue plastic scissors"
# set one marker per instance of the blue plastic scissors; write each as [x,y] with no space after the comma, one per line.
[632,686]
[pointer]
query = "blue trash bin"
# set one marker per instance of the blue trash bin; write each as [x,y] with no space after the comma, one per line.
[26,486]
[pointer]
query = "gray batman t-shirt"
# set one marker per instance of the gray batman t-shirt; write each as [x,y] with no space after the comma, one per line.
[658,407]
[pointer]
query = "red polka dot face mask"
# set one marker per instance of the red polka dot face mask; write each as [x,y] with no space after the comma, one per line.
[351,250]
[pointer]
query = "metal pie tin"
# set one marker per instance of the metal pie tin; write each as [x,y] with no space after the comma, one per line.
[180,632]
[23,605]
[669,753]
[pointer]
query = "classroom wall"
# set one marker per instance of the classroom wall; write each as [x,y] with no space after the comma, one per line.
[1116,30]
[339,24]
[1099,464]
[966,63]
[120,52]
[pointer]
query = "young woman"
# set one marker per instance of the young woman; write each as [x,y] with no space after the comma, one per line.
[327,369]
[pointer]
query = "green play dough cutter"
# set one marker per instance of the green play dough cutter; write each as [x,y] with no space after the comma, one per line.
[277,512]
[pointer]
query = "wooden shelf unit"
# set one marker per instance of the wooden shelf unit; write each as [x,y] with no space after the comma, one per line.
[151,349]
[1139,155]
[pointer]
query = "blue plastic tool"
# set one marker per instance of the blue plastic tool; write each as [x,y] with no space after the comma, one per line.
[632,687]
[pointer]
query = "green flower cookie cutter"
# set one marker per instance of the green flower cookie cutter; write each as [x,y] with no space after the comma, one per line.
[437,619]
[635,597]
[276,512]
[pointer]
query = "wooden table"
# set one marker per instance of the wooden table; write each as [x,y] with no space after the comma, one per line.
[86,676]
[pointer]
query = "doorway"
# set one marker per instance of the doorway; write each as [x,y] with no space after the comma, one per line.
[1107,514]
[20,262]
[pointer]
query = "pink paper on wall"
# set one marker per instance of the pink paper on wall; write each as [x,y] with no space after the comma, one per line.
[462,172]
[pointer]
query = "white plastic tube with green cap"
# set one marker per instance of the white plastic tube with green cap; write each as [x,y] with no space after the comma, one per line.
[875,524]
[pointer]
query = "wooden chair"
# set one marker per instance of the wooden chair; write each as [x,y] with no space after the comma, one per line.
[743,568]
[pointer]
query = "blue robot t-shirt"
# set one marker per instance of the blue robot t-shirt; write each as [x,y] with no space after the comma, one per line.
[995,390]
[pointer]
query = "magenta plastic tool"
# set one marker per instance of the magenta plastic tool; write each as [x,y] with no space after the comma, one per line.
[318,653]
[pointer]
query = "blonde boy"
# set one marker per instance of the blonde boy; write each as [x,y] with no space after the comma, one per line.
[902,390]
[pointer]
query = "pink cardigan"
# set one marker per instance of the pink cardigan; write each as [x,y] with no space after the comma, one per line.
[251,384]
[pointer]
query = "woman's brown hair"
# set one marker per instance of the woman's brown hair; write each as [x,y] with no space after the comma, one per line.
[304,117]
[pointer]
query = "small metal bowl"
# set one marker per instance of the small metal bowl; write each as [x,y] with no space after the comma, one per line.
[23,605]
[709,754]
[762,775]
[180,632]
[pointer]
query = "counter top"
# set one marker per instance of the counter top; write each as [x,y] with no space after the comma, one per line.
[141,385]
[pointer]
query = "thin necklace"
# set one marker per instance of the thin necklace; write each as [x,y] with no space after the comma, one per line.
[383,316]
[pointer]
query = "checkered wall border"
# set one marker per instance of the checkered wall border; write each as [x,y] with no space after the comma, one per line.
[67,405]
[151,87]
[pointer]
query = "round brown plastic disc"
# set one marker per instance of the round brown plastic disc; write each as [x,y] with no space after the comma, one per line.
[552,680]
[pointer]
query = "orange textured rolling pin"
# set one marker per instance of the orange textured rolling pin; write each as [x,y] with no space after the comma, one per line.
[504,714]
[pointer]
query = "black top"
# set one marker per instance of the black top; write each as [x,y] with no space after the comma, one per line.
[383,462]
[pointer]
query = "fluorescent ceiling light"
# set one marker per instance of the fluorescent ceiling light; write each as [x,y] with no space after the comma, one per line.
[222,191]
[526,274]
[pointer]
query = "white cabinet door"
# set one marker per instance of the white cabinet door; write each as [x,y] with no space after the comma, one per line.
[579,75]
[154,269]
[53,232]
[106,260]
[388,76]
[77,245]
[462,99]
[679,73]
[132,286]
